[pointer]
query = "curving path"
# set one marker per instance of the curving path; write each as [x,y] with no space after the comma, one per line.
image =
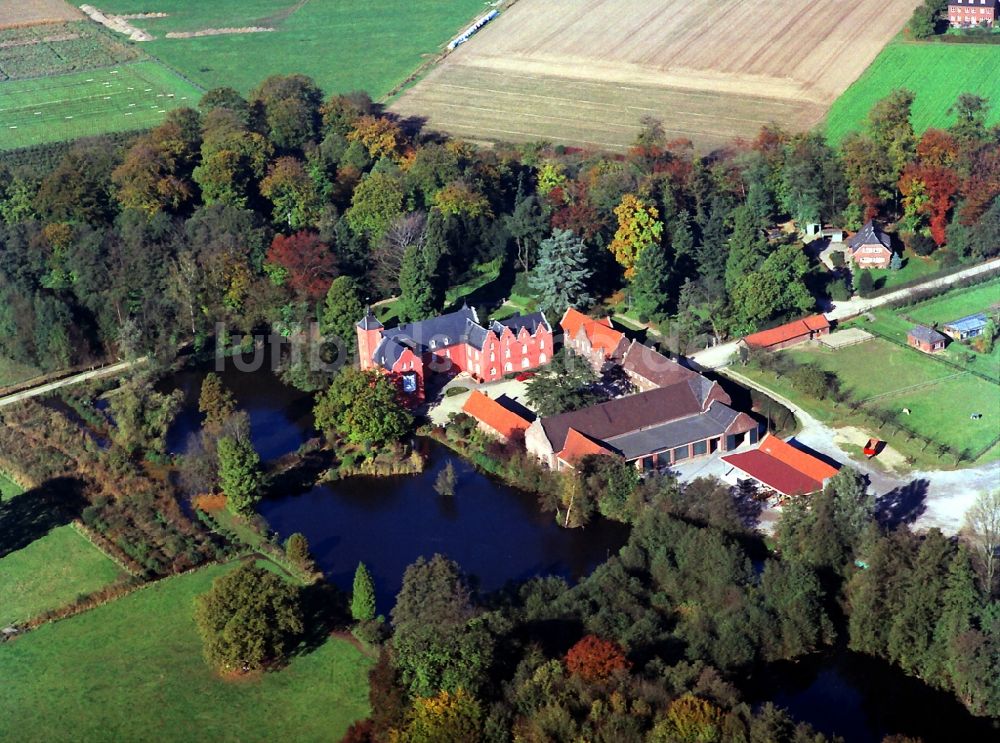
[44,389]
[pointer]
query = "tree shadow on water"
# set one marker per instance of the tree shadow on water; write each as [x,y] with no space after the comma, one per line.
[904,505]
[34,514]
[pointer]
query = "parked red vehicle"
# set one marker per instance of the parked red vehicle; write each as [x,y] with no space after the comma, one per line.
[524,376]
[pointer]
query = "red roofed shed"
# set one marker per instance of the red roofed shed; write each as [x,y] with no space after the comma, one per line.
[790,334]
[781,467]
[494,417]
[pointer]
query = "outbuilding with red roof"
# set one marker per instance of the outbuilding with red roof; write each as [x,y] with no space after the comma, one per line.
[790,334]
[781,467]
[494,418]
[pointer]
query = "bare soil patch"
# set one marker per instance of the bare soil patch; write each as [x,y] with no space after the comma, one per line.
[32,12]
[217,32]
[116,23]
[708,69]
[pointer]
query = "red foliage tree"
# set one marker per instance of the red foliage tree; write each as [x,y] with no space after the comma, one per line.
[941,185]
[310,264]
[595,659]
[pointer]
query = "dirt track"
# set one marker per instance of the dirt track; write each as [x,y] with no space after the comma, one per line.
[586,71]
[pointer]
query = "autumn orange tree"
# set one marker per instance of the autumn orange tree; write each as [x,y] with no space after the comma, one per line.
[595,659]
[639,227]
[689,720]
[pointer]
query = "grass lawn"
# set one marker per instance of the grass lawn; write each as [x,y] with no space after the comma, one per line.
[51,572]
[957,304]
[937,73]
[12,372]
[914,267]
[133,670]
[897,367]
[8,488]
[344,45]
[80,104]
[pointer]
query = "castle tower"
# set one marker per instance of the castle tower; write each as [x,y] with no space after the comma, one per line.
[369,336]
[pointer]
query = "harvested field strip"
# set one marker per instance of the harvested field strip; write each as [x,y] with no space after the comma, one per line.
[24,13]
[64,107]
[475,103]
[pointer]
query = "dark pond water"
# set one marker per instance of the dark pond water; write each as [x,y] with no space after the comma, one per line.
[863,699]
[498,535]
[280,416]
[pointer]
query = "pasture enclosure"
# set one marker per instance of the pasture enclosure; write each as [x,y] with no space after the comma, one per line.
[588,72]
[344,45]
[27,12]
[936,73]
[125,98]
[133,668]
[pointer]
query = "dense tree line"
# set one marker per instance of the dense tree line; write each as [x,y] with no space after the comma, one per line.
[648,647]
[282,208]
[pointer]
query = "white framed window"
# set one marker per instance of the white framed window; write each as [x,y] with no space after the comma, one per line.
[508,352]
[493,356]
[508,366]
[524,348]
[524,363]
[493,372]
[541,343]
[542,359]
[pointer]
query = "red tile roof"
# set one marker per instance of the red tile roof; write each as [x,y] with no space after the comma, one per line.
[578,446]
[782,467]
[599,332]
[491,413]
[790,331]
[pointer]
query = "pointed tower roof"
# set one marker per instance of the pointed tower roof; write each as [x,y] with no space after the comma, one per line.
[370,322]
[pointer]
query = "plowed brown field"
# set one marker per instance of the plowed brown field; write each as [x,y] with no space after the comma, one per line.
[587,71]
[28,12]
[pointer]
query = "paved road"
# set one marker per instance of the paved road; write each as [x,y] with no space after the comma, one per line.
[43,389]
[852,307]
[937,498]
[722,355]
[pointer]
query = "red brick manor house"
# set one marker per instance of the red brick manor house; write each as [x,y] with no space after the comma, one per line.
[454,343]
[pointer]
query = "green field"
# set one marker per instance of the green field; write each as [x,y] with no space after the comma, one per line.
[49,573]
[344,45]
[133,670]
[8,488]
[937,73]
[957,304]
[80,104]
[888,376]
[61,107]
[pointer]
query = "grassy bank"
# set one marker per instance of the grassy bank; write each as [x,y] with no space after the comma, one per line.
[133,670]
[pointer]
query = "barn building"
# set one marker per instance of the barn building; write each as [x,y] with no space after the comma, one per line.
[871,247]
[658,428]
[969,13]
[779,466]
[454,343]
[790,334]
[926,339]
